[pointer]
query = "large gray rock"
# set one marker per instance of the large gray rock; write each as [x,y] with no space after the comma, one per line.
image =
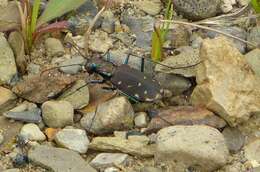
[201,148]
[58,159]
[115,114]
[197,9]
[57,114]
[73,139]
[226,83]
[7,62]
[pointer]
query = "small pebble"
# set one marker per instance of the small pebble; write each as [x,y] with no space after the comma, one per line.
[73,139]
[32,132]
[54,47]
[141,120]
[104,160]
[57,114]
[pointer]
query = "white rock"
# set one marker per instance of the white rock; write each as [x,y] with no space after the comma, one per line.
[32,132]
[73,139]
[141,120]
[104,160]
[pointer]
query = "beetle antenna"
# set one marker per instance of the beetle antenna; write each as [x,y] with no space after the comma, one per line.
[57,67]
[171,67]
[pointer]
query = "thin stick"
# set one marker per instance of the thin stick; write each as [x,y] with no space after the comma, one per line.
[211,29]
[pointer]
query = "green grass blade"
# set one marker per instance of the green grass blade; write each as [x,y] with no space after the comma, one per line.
[56,8]
[156,53]
[256,5]
[35,13]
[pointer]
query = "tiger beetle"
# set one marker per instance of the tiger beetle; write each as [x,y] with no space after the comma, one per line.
[133,83]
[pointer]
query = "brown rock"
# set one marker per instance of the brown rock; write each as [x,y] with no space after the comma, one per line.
[39,88]
[226,83]
[184,115]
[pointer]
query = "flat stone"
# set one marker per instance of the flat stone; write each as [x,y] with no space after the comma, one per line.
[104,160]
[77,95]
[32,132]
[57,114]
[41,87]
[31,116]
[184,115]
[113,144]
[7,62]
[200,148]
[187,57]
[73,65]
[73,139]
[7,99]
[226,84]
[114,115]
[58,159]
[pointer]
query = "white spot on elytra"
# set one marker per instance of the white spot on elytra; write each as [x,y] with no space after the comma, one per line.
[139,84]
[136,95]
[145,92]
[119,82]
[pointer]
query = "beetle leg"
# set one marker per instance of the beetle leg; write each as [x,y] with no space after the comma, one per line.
[127,59]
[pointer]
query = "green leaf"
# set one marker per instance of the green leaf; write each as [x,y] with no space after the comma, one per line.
[56,8]
[256,5]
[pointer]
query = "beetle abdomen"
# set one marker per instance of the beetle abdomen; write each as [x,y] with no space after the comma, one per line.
[136,84]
